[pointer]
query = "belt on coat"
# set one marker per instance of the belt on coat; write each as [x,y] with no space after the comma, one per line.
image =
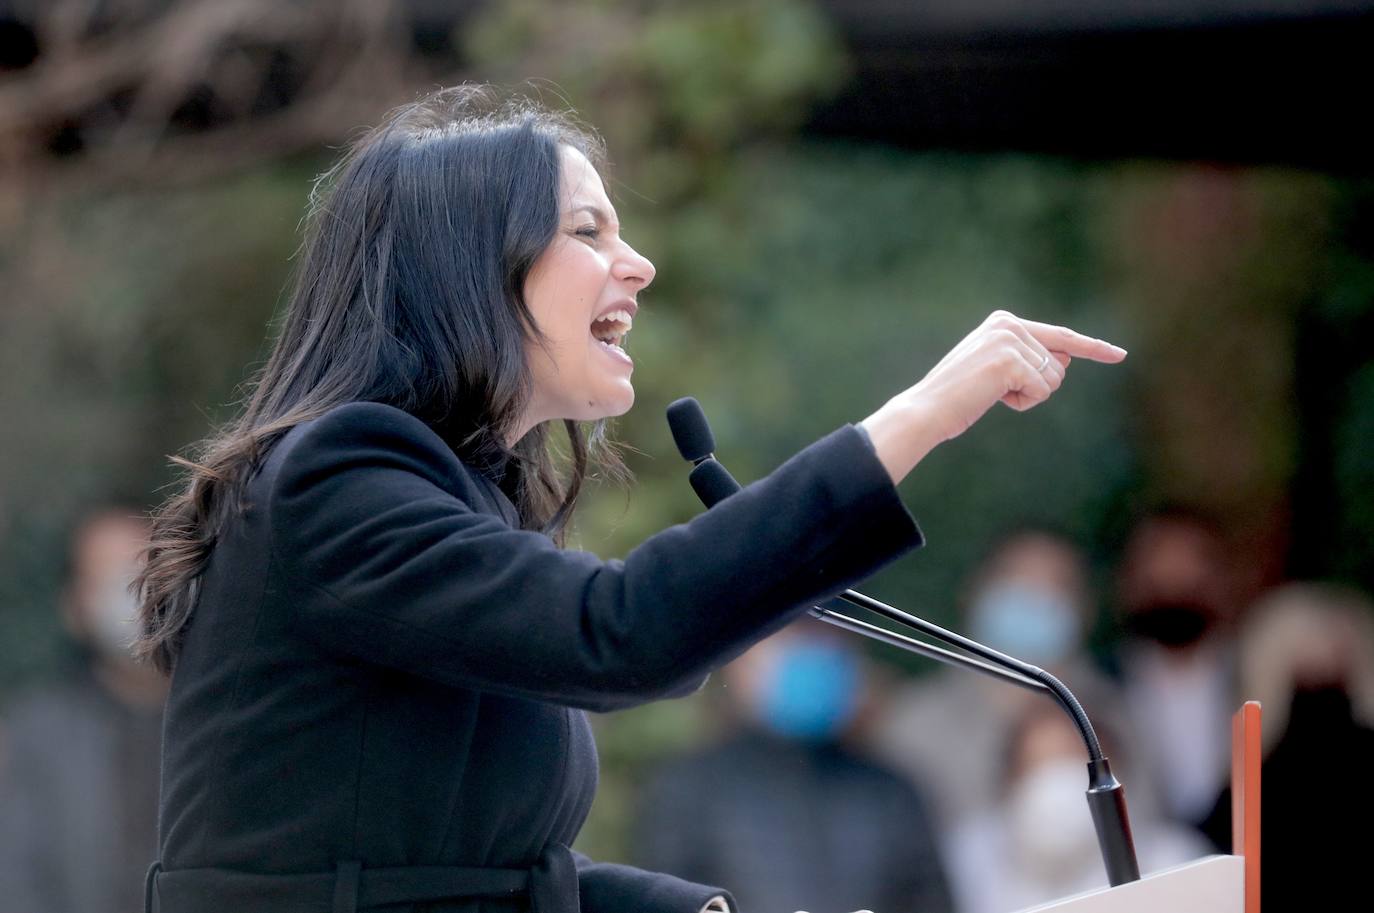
[551,885]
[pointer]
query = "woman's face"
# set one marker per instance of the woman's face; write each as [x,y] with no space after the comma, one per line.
[581,294]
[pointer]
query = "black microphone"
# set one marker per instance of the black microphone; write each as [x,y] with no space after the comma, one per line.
[691,432]
[1106,795]
[710,480]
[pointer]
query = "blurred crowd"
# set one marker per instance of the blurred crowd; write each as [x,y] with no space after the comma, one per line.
[79,756]
[839,789]
[838,785]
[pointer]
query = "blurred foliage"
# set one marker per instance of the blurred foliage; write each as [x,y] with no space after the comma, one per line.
[800,284]
[674,87]
[142,313]
[1336,399]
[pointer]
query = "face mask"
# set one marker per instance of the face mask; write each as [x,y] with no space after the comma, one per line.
[112,615]
[1320,711]
[810,692]
[1051,828]
[1170,624]
[1026,621]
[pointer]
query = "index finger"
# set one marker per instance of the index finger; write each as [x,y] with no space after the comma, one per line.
[1062,339]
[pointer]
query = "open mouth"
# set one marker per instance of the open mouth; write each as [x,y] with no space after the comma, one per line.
[611,329]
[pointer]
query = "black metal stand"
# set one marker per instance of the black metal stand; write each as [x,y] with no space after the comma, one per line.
[1106,795]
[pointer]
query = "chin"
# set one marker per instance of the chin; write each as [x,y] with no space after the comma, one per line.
[603,401]
[616,402]
[621,404]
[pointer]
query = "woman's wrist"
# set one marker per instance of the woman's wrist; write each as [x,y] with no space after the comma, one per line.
[902,432]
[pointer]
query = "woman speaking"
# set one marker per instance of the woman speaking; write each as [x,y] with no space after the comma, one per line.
[381,655]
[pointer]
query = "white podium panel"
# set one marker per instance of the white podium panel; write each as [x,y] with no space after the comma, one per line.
[1212,884]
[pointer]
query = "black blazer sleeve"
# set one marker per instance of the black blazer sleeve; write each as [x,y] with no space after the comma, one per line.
[386,562]
[616,887]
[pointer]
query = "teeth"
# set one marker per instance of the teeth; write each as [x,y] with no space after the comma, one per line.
[612,327]
[621,316]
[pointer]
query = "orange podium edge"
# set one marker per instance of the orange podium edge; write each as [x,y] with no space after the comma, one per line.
[1246,756]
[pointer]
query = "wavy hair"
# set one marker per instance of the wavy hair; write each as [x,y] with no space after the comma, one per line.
[408,292]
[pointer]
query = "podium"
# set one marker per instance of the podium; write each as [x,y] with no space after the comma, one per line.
[1213,883]
[1220,883]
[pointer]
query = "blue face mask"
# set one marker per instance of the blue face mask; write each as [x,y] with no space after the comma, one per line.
[1025,621]
[811,692]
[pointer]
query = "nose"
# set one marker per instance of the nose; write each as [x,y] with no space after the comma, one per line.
[633,265]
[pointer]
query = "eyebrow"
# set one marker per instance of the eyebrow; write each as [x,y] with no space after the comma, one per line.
[594,210]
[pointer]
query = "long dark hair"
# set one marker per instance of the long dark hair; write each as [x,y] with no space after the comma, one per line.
[407,291]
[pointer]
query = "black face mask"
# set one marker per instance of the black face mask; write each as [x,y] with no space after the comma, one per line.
[1170,624]
[1323,708]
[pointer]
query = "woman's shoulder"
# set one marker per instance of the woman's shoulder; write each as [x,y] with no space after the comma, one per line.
[352,438]
[363,424]
[370,468]
[365,418]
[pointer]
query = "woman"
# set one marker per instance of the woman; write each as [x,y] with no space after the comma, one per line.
[381,657]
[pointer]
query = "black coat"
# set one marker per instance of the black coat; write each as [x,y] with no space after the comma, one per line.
[384,671]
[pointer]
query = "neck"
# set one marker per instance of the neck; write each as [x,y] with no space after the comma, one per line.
[525,426]
[529,418]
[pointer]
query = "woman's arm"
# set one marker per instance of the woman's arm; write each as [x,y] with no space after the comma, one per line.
[384,560]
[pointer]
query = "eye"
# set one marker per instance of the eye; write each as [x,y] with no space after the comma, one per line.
[590,231]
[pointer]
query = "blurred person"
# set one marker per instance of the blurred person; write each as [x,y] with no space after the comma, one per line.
[785,809]
[1307,655]
[78,789]
[382,657]
[1028,597]
[1176,657]
[1038,843]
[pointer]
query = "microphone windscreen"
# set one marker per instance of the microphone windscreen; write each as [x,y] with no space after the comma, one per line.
[712,482]
[690,430]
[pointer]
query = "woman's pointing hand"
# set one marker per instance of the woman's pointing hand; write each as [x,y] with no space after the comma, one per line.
[1005,359]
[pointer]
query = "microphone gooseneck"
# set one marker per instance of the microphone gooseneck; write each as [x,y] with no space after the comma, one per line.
[1106,795]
